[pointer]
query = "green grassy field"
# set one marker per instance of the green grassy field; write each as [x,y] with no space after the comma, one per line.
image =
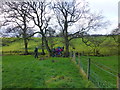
[28,72]
[11,44]
[25,71]
[102,69]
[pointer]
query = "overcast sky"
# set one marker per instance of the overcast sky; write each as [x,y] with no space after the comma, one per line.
[109,9]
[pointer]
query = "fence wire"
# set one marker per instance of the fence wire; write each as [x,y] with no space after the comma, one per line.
[95,77]
[105,67]
[100,82]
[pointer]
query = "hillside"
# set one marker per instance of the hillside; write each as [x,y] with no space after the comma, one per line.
[12,45]
[27,72]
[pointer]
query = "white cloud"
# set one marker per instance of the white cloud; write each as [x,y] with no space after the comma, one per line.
[109,9]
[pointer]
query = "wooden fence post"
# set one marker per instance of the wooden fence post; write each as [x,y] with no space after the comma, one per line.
[88,72]
[118,81]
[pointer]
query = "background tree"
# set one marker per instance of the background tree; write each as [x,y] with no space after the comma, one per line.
[94,42]
[40,15]
[51,37]
[15,13]
[67,14]
[72,13]
[115,35]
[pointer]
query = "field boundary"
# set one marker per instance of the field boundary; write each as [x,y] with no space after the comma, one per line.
[91,75]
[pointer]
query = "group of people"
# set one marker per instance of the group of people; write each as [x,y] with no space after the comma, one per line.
[55,52]
[58,51]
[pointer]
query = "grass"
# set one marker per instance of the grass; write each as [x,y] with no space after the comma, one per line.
[25,71]
[102,75]
[28,72]
[105,48]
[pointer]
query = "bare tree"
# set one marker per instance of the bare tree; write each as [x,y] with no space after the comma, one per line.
[115,35]
[94,42]
[40,15]
[51,37]
[116,31]
[66,14]
[16,14]
[69,13]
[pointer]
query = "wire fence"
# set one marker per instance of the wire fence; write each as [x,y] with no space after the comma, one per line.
[101,75]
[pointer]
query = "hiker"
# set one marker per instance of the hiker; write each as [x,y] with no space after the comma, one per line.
[61,51]
[53,52]
[58,51]
[36,52]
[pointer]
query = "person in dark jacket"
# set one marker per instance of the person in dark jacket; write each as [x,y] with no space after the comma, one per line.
[36,52]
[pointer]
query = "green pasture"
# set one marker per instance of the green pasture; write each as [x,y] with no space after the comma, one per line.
[102,69]
[28,72]
[105,48]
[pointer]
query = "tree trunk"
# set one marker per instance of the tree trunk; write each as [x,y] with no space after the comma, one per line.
[66,38]
[51,42]
[43,52]
[24,34]
[47,46]
[97,52]
[66,47]
[26,46]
